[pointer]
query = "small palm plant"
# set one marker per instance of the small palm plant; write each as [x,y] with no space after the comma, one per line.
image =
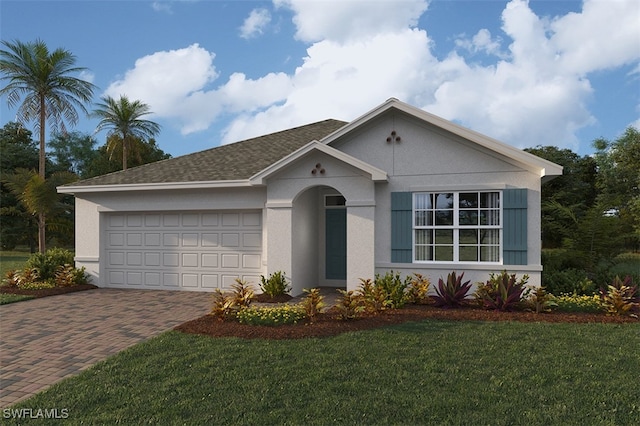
[453,293]
[502,292]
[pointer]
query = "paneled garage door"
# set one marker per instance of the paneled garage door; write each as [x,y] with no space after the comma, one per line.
[187,250]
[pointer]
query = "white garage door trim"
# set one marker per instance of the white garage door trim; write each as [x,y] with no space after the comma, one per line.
[194,250]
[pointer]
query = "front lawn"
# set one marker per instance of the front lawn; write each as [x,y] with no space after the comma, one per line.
[429,372]
[5,299]
[14,259]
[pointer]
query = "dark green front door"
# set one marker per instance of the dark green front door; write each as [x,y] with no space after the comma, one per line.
[336,244]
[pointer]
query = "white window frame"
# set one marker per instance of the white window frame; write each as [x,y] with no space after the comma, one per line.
[456,227]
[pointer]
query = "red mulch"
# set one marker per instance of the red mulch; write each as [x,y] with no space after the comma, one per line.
[47,291]
[327,324]
[265,298]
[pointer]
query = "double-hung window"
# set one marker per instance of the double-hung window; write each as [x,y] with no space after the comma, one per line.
[457,226]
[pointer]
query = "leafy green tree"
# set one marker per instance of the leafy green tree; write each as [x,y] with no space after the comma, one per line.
[18,151]
[619,181]
[50,90]
[73,152]
[122,118]
[141,153]
[567,198]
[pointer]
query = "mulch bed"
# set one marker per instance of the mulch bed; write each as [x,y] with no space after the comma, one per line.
[47,291]
[327,324]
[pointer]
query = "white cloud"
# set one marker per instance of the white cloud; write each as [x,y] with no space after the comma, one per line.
[343,21]
[87,76]
[606,34]
[537,91]
[162,6]
[174,84]
[255,23]
[165,79]
[342,81]
[482,41]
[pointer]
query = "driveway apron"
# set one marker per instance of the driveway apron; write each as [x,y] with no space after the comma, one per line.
[46,340]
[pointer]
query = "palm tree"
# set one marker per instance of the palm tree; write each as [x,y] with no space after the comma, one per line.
[122,118]
[51,94]
[37,195]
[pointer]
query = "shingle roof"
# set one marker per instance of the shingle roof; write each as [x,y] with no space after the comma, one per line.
[236,161]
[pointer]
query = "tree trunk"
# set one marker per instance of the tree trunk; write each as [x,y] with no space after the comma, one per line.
[41,233]
[124,152]
[41,172]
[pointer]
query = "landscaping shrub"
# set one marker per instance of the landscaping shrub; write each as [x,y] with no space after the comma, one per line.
[577,303]
[502,292]
[224,306]
[453,293]
[393,288]
[47,263]
[313,303]
[539,300]
[275,285]
[621,297]
[242,293]
[373,297]
[53,267]
[569,281]
[11,278]
[38,285]
[625,264]
[418,289]
[349,306]
[67,276]
[271,316]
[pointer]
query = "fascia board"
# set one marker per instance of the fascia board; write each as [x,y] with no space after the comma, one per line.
[376,174]
[152,186]
[530,161]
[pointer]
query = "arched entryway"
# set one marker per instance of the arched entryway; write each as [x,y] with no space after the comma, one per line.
[319,238]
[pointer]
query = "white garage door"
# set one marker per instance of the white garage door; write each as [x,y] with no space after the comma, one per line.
[187,250]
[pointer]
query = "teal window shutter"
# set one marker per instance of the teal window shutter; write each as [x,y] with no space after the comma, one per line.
[401,227]
[514,214]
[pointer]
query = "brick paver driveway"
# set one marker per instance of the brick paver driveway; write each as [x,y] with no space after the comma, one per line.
[45,340]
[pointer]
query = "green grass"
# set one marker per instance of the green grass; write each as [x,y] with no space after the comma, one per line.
[13,259]
[431,372]
[12,298]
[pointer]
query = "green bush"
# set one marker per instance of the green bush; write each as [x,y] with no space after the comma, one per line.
[578,303]
[350,305]
[418,289]
[569,281]
[393,288]
[271,316]
[538,300]
[47,263]
[312,303]
[625,264]
[275,285]
[373,297]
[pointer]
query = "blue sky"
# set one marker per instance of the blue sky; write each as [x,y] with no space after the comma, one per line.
[527,73]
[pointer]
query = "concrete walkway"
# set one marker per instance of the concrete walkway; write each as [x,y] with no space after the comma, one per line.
[43,341]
